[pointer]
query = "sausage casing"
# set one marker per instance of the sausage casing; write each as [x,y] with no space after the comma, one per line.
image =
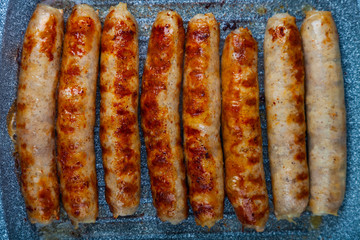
[284,95]
[76,115]
[201,119]
[245,178]
[35,118]
[325,113]
[160,99]
[119,131]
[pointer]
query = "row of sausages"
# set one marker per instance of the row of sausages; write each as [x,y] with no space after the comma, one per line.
[209,104]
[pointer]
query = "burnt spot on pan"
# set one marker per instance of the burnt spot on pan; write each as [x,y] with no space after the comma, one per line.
[232,25]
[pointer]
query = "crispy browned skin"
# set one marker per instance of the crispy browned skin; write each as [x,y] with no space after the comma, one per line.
[201,118]
[160,117]
[326,114]
[119,131]
[284,93]
[245,179]
[35,118]
[76,115]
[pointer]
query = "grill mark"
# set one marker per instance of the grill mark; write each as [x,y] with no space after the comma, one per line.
[297,117]
[80,30]
[255,141]
[191,131]
[196,97]
[304,193]
[302,176]
[202,180]
[48,36]
[79,191]
[126,125]
[70,115]
[196,101]
[255,180]
[21,106]
[200,34]
[201,209]
[120,44]
[76,185]
[277,33]
[26,158]
[48,204]
[161,51]
[163,191]
[126,189]
[160,160]
[254,159]
[250,81]
[124,122]
[251,102]
[300,139]
[28,46]
[300,156]
[242,119]
[244,48]
[249,213]
[252,122]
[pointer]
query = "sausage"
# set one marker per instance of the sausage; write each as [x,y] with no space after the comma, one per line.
[284,95]
[201,119]
[119,131]
[35,118]
[245,178]
[326,115]
[76,115]
[161,119]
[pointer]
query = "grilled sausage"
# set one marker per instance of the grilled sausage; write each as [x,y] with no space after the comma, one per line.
[326,116]
[35,118]
[284,94]
[160,117]
[201,119]
[245,178]
[119,132]
[76,115]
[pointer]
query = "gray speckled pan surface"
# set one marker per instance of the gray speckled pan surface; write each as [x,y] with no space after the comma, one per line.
[14,16]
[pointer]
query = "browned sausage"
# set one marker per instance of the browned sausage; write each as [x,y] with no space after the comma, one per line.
[284,94]
[160,117]
[326,116]
[201,118]
[245,178]
[76,115]
[35,118]
[119,132]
